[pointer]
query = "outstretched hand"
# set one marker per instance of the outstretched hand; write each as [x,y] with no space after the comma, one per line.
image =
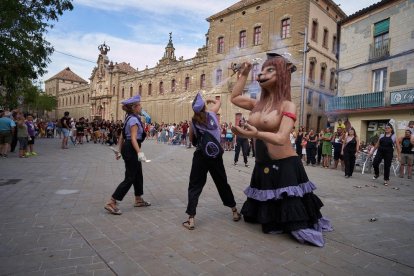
[248,131]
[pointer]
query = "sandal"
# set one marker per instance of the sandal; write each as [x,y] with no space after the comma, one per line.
[142,203]
[189,224]
[112,209]
[236,215]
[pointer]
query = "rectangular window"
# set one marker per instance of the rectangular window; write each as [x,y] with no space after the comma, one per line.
[140,90]
[131,91]
[285,28]
[334,46]
[123,93]
[332,81]
[220,45]
[311,77]
[322,77]
[310,96]
[219,73]
[203,81]
[257,35]
[320,100]
[149,89]
[325,38]
[379,80]
[314,34]
[242,39]
[113,90]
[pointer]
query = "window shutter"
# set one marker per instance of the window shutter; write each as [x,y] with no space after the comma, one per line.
[381,27]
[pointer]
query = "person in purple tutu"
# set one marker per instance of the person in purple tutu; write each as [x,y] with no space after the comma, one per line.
[280,196]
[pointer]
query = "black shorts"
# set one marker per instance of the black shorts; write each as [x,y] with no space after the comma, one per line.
[31,141]
[337,151]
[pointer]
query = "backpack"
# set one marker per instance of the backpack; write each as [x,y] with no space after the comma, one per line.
[208,144]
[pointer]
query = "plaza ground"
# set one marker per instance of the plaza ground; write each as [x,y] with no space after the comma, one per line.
[53,222]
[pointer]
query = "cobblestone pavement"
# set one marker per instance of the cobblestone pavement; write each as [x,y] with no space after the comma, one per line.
[53,222]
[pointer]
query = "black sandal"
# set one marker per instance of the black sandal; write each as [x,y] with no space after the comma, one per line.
[189,224]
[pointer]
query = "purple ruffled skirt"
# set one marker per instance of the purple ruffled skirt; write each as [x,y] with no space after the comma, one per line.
[281,198]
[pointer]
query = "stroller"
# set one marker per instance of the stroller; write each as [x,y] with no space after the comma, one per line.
[49,132]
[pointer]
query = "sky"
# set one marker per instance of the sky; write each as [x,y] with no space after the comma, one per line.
[136,31]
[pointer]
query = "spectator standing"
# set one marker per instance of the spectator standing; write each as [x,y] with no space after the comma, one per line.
[7,128]
[32,133]
[65,122]
[311,148]
[327,148]
[407,154]
[350,149]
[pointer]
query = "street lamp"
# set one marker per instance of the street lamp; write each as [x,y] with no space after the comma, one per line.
[302,85]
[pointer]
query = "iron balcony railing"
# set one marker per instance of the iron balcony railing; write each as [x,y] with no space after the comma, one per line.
[371,100]
[379,50]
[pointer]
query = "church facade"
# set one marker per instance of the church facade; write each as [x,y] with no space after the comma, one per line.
[245,31]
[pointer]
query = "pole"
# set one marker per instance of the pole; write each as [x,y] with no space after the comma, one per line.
[302,86]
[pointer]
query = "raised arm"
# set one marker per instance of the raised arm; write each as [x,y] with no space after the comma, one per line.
[216,105]
[237,97]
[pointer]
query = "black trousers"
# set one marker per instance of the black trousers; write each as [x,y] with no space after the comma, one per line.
[133,173]
[14,141]
[198,177]
[387,156]
[349,160]
[244,145]
[310,155]
[319,150]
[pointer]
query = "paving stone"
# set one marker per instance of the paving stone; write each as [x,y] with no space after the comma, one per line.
[47,233]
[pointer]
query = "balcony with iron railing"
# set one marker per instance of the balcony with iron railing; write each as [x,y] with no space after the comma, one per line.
[372,100]
[379,50]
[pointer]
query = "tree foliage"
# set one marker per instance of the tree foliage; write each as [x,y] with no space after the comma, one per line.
[24,52]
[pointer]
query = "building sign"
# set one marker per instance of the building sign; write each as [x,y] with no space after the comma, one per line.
[402,97]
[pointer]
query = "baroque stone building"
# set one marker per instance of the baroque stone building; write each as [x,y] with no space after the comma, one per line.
[245,31]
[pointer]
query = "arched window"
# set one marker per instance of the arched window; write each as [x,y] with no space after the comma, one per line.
[173,86]
[140,89]
[149,89]
[323,75]
[314,33]
[187,83]
[220,45]
[161,90]
[219,75]
[285,33]
[113,90]
[83,98]
[131,91]
[123,92]
[203,81]
[242,39]
[257,35]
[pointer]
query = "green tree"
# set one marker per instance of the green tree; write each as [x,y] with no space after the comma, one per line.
[24,52]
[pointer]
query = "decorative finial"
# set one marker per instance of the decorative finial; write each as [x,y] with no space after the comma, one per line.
[104,48]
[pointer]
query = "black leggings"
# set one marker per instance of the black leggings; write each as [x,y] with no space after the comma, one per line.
[133,172]
[198,177]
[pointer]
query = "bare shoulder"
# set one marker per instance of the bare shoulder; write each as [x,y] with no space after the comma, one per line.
[288,106]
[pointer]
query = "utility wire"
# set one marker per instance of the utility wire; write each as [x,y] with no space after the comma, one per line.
[66,54]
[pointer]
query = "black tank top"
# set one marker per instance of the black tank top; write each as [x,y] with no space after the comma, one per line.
[406,146]
[386,143]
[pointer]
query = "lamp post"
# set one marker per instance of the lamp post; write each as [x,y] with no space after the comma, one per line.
[302,85]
